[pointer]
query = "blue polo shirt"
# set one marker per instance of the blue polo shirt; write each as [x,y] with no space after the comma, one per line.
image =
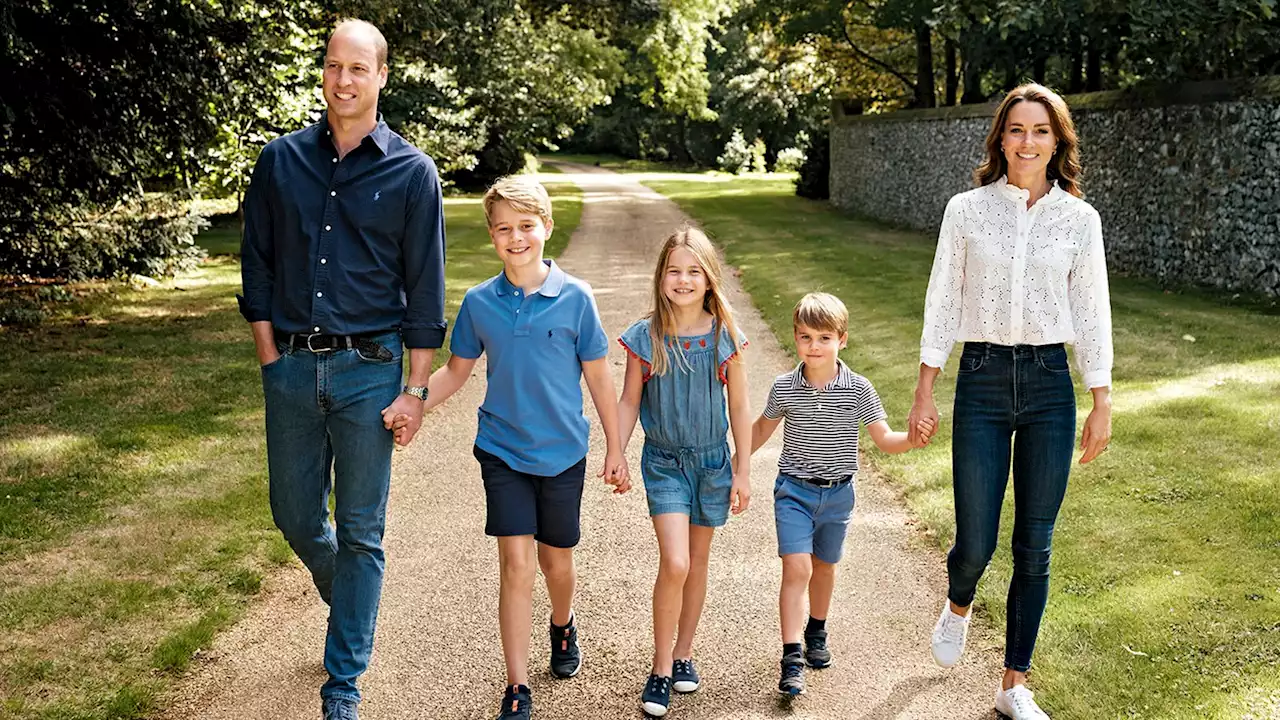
[532,413]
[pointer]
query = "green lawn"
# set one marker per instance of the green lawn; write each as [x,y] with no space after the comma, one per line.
[133,512]
[1166,582]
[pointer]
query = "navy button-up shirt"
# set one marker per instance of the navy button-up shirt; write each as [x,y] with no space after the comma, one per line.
[347,246]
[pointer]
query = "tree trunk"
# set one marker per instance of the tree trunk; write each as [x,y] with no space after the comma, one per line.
[925,96]
[1038,68]
[972,72]
[953,79]
[1075,56]
[1093,63]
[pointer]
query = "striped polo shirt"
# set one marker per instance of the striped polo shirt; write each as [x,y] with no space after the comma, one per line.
[820,428]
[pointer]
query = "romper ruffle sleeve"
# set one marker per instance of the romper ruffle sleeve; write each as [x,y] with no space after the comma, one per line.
[636,341]
[727,350]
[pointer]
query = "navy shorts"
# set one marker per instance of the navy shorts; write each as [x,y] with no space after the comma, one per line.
[517,503]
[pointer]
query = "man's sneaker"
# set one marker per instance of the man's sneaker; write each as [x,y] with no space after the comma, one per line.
[949,636]
[339,709]
[566,658]
[517,704]
[684,677]
[656,698]
[816,653]
[792,680]
[1019,703]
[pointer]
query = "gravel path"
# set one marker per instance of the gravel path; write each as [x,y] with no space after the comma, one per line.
[437,654]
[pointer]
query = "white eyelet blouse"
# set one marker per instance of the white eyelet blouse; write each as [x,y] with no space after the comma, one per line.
[1010,275]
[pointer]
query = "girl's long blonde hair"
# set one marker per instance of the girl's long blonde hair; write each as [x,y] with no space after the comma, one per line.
[662,323]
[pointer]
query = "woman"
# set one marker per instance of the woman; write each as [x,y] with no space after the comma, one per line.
[1020,270]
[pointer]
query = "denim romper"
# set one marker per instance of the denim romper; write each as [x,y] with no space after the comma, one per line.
[685,462]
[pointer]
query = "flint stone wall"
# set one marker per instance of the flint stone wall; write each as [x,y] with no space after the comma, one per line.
[1186,177]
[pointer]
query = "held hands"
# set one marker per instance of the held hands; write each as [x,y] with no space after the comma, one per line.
[922,423]
[615,472]
[740,494]
[924,430]
[403,417]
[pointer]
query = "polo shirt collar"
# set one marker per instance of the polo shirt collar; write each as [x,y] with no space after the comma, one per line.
[380,135]
[843,379]
[551,287]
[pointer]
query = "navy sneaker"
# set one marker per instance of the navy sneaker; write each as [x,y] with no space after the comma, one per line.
[339,709]
[566,658]
[816,653]
[792,680]
[517,704]
[656,698]
[684,677]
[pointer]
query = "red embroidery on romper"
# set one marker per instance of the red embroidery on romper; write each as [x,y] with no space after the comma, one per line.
[688,345]
[703,343]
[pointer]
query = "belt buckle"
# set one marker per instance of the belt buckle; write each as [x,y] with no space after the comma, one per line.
[313,349]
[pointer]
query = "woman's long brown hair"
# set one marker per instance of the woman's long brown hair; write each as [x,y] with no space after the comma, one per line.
[1064,166]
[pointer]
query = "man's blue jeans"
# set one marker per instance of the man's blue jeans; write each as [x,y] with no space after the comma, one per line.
[1010,401]
[325,433]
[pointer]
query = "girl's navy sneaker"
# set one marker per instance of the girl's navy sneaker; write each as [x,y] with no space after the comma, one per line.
[684,677]
[656,698]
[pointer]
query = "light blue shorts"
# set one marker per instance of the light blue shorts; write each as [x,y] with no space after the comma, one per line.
[692,481]
[810,519]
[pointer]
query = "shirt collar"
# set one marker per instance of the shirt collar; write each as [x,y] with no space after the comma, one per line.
[842,380]
[380,135]
[1013,192]
[551,287]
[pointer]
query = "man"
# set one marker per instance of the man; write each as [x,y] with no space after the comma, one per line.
[343,265]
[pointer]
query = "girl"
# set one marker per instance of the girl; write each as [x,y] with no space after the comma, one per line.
[1020,270]
[681,360]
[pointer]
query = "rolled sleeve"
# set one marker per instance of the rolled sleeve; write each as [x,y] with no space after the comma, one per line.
[424,323]
[257,246]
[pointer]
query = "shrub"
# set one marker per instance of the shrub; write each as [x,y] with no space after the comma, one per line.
[789,160]
[758,151]
[737,154]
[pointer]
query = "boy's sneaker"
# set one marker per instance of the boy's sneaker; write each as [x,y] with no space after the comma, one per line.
[684,677]
[1019,703]
[792,680]
[656,698]
[949,635]
[816,653]
[517,703]
[566,658]
[339,709]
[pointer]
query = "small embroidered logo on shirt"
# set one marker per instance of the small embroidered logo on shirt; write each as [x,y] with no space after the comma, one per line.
[377,195]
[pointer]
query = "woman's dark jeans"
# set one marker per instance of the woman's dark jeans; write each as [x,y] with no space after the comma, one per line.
[1010,401]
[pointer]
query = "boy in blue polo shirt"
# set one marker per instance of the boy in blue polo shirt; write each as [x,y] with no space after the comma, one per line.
[541,332]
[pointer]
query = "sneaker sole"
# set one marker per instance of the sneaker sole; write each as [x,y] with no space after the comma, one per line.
[818,666]
[789,694]
[686,687]
[653,709]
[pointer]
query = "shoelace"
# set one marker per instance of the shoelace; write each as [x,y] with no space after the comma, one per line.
[792,670]
[342,711]
[953,627]
[1023,702]
[817,642]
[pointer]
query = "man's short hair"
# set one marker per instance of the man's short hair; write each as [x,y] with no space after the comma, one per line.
[823,312]
[523,193]
[379,42]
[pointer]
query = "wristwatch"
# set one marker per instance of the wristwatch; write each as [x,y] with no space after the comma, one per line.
[418,391]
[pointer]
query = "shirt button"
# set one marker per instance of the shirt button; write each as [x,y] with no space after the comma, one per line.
[319,294]
[333,193]
[335,159]
[323,260]
[327,228]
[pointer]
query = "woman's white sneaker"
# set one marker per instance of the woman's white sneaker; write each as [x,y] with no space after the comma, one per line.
[949,635]
[1019,703]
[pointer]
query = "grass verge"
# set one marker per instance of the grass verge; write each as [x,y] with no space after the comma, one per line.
[1166,590]
[134,522]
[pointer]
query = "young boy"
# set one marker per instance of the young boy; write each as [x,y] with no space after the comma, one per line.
[542,334]
[823,402]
